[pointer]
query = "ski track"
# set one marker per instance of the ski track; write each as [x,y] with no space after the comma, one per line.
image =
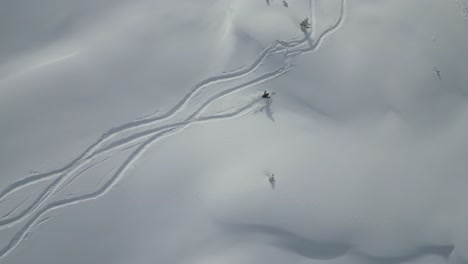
[116,177]
[49,191]
[149,132]
[290,49]
[79,162]
[16,207]
[330,30]
[42,221]
[78,174]
[105,176]
[84,158]
[145,121]
[52,188]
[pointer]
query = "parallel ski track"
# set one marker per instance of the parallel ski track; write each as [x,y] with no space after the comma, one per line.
[94,148]
[116,177]
[16,207]
[53,187]
[313,46]
[242,72]
[78,174]
[291,49]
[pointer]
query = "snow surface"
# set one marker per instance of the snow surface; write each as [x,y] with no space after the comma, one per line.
[135,132]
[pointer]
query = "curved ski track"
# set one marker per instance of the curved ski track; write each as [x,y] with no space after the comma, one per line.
[105,144]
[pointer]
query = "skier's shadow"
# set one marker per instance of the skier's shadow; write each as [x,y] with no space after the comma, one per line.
[268,110]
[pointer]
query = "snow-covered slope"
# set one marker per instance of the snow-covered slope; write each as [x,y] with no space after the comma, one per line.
[135,132]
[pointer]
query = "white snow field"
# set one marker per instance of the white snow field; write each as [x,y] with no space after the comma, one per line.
[134,131]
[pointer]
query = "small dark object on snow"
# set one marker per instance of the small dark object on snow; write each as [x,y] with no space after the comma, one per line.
[437,73]
[272,180]
[305,24]
[265,95]
[285,4]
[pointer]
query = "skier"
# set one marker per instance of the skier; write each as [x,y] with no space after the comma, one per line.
[272,181]
[265,95]
[437,73]
[305,24]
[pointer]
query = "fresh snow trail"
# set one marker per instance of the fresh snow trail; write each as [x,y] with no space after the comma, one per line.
[116,177]
[42,221]
[16,207]
[78,174]
[78,162]
[236,74]
[9,222]
[104,177]
[313,46]
[242,72]
[105,144]
[210,101]
[55,185]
